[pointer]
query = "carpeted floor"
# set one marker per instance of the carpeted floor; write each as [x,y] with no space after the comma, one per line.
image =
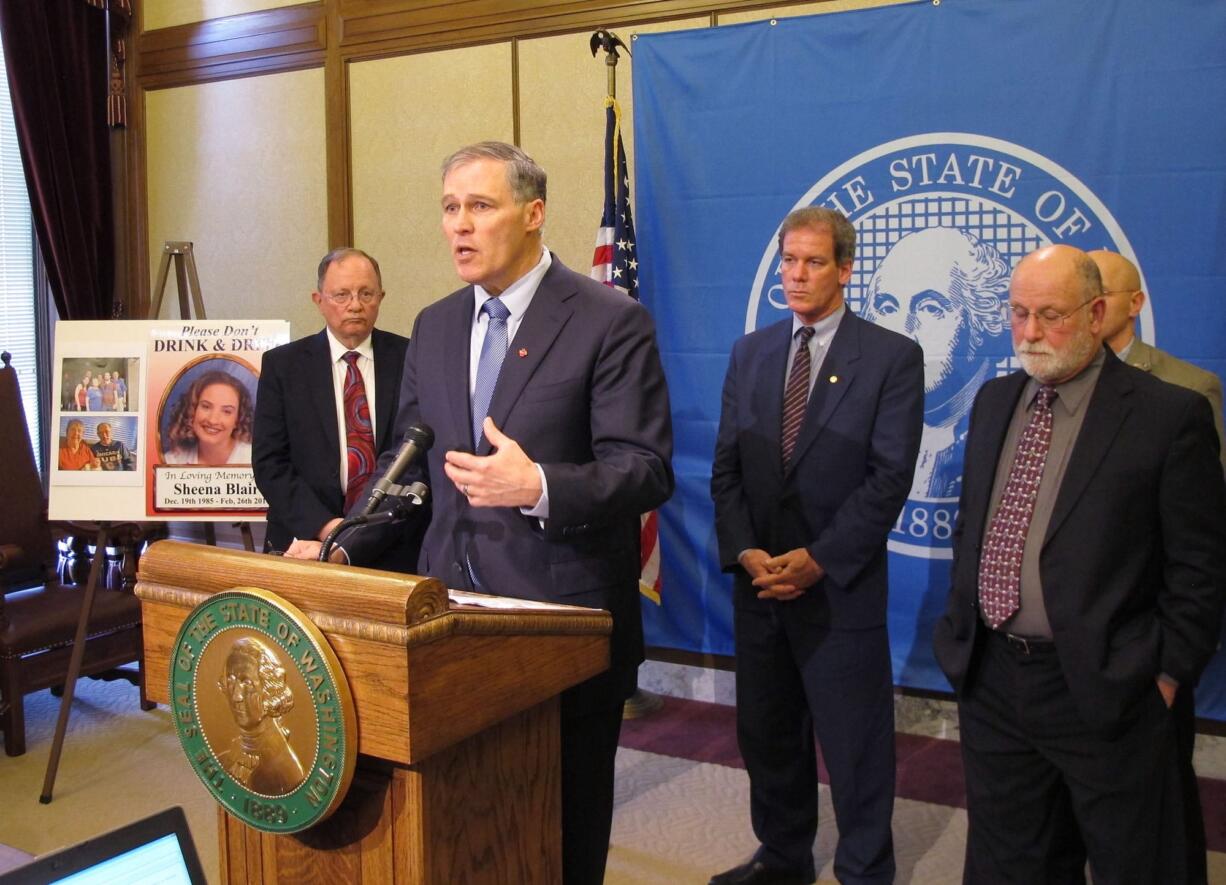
[682,806]
[119,764]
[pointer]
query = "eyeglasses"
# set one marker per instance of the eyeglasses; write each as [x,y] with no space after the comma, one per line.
[364,296]
[1047,319]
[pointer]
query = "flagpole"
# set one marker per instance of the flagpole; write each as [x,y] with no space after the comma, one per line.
[610,61]
[641,703]
[608,41]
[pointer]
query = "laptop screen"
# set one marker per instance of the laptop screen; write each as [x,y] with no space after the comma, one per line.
[157,850]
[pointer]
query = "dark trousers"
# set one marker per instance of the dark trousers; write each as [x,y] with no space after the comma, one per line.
[794,677]
[589,750]
[1184,711]
[1045,791]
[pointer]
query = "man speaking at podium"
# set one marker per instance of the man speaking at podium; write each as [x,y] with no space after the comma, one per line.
[552,434]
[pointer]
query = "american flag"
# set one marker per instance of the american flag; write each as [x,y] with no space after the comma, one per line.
[615,263]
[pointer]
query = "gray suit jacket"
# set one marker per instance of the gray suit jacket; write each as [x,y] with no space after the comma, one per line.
[1173,370]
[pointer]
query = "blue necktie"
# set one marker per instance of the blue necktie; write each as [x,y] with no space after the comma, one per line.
[493,349]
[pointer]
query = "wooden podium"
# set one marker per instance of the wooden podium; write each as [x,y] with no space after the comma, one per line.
[457,777]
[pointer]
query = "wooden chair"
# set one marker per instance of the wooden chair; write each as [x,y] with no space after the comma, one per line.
[39,614]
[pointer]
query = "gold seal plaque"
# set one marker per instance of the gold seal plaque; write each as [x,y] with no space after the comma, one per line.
[263,710]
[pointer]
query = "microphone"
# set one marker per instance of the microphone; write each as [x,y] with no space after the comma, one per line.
[417,441]
[415,494]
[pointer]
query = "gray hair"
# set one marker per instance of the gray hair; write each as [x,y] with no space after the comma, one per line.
[339,255]
[821,218]
[525,177]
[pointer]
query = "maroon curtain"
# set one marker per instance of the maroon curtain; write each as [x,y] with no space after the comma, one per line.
[55,52]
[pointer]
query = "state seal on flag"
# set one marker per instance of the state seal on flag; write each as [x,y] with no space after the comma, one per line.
[941,219]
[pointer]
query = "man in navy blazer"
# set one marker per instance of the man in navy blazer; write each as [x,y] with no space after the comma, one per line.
[575,445]
[298,447]
[805,540]
[1064,695]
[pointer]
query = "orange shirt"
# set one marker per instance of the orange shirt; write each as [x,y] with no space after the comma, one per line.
[70,460]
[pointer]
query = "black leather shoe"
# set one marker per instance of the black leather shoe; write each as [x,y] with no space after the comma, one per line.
[757,873]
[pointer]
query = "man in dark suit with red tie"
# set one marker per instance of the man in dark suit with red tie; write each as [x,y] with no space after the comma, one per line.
[1088,583]
[820,427]
[552,430]
[326,406]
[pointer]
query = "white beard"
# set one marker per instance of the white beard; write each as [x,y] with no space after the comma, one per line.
[1049,366]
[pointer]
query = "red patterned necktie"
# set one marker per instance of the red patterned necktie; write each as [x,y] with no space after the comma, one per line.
[359,435]
[1000,565]
[795,395]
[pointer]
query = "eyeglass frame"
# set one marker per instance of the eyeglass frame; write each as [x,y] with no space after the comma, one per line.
[1051,324]
[340,299]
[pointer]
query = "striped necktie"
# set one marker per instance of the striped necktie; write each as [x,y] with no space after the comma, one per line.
[796,395]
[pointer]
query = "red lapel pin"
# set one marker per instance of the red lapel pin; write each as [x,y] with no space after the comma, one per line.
[523,352]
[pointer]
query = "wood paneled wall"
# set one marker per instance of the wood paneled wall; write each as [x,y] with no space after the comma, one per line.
[355,42]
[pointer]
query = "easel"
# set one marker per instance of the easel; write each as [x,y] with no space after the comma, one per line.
[188,282]
[185,274]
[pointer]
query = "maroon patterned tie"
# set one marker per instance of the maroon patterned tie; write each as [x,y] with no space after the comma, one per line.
[795,395]
[1000,565]
[359,435]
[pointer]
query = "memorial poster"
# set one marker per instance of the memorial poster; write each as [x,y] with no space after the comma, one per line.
[153,418]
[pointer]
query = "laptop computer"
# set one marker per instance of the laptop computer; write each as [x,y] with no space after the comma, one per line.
[157,850]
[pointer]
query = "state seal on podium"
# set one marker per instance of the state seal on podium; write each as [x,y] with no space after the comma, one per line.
[263,710]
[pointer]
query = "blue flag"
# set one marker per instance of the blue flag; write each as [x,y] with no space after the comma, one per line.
[957,138]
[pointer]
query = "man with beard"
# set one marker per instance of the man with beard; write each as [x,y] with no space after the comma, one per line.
[1087,585]
[943,288]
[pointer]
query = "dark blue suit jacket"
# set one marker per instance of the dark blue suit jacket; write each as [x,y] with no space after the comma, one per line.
[583,393]
[850,471]
[296,447]
[1134,560]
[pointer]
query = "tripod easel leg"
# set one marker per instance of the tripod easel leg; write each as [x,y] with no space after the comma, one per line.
[186,280]
[74,663]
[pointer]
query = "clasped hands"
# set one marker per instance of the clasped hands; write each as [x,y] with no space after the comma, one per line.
[505,478]
[784,577]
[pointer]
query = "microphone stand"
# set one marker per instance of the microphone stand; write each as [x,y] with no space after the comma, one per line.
[411,496]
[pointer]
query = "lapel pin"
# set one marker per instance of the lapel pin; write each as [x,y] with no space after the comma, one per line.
[834,379]
[523,352]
